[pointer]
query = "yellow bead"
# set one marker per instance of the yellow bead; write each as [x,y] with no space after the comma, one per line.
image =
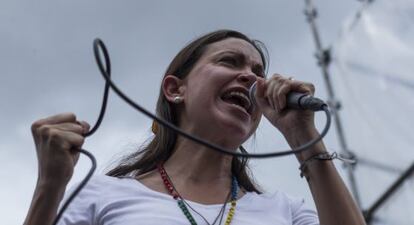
[231,212]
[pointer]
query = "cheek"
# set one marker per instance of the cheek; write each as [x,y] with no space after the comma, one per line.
[208,80]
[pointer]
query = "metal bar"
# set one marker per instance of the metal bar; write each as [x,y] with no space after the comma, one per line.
[368,214]
[324,61]
[380,166]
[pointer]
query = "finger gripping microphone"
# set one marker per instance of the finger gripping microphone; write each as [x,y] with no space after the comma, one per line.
[295,100]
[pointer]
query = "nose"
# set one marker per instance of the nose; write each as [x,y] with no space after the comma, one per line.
[247,79]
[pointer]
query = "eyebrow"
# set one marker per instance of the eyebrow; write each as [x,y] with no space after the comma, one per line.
[256,66]
[241,55]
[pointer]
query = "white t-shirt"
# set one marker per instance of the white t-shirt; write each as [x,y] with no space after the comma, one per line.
[108,200]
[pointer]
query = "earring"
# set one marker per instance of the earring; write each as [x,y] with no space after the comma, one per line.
[178,99]
[154,127]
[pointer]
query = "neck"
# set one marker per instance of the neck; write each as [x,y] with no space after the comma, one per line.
[192,162]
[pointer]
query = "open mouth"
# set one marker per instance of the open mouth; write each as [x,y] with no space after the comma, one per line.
[238,99]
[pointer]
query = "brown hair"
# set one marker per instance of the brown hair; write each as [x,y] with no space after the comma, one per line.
[161,146]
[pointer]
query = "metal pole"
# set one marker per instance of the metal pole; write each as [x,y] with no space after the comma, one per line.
[323,57]
[368,214]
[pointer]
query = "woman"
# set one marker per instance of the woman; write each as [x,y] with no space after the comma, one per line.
[176,181]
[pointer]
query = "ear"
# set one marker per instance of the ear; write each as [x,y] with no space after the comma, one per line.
[172,87]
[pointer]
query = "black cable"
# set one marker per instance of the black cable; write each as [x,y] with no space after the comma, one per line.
[99,44]
[92,131]
[79,188]
[106,73]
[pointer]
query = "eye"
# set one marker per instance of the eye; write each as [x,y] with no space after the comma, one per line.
[258,70]
[229,60]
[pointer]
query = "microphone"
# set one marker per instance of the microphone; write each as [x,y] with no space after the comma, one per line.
[294,100]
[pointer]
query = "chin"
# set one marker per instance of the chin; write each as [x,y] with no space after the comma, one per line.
[236,131]
[232,124]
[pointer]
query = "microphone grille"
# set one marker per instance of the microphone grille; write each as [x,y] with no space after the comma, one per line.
[252,91]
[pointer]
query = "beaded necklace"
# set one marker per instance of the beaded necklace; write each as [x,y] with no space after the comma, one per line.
[182,203]
[219,215]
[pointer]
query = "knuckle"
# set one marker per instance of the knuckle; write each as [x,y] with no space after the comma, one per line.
[87,125]
[281,91]
[79,129]
[61,144]
[276,76]
[311,87]
[53,134]
[285,88]
[35,126]
[285,81]
[57,141]
[76,142]
[44,130]
[71,116]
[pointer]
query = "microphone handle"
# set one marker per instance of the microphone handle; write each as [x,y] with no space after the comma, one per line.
[295,100]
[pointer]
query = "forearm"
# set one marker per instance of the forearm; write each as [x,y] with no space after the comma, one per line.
[334,203]
[44,205]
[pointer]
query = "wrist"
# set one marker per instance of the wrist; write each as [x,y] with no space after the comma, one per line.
[51,186]
[45,203]
[303,136]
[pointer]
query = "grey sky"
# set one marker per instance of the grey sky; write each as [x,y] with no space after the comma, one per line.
[373,61]
[48,67]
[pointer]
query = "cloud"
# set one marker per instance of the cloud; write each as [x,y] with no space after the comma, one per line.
[48,68]
[375,82]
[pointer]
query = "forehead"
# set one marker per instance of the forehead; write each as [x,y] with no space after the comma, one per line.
[234,45]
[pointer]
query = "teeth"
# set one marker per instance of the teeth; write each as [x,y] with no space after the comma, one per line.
[238,106]
[245,99]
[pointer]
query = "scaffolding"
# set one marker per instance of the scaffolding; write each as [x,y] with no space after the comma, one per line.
[323,56]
